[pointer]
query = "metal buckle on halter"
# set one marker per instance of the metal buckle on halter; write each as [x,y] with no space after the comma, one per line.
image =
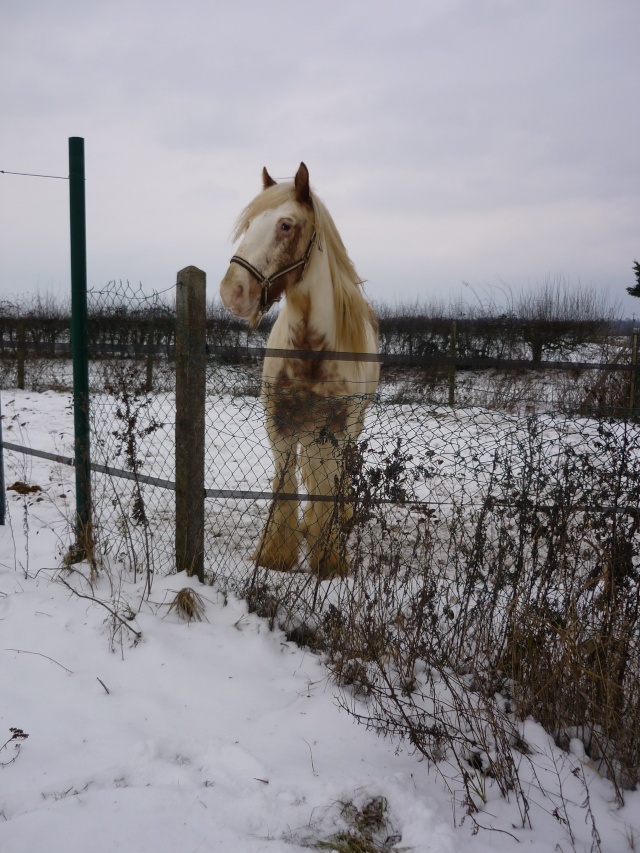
[264,296]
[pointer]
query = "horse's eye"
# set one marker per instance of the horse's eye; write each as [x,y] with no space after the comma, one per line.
[285,226]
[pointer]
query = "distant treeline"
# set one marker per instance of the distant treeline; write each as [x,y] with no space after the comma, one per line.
[551,322]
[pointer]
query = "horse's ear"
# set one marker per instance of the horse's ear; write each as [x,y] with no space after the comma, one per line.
[303,193]
[267,180]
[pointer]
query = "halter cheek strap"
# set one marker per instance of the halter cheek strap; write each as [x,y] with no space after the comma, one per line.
[266,281]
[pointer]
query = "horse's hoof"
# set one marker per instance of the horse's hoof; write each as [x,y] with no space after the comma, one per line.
[330,566]
[332,574]
[278,549]
[275,562]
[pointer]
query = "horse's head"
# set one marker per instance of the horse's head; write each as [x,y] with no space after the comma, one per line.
[276,232]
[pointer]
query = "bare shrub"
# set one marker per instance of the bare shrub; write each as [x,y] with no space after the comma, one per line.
[557,317]
[134,424]
[524,604]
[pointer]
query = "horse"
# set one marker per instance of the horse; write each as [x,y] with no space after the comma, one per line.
[315,407]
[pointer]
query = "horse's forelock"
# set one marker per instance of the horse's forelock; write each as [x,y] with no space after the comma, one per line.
[269,199]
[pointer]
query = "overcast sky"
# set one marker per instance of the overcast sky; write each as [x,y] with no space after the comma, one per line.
[492,142]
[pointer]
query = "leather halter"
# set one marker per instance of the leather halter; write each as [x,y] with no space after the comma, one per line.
[266,281]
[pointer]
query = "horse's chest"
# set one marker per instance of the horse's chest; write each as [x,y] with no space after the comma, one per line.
[295,408]
[303,338]
[307,371]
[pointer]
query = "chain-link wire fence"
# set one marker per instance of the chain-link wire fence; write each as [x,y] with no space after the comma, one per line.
[132,414]
[497,537]
[430,457]
[500,535]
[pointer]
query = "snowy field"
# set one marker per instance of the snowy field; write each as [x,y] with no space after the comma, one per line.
[162,735]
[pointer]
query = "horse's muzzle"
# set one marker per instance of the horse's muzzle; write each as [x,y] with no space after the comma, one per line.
[240,293]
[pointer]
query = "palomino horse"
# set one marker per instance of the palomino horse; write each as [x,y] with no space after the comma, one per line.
[314,407]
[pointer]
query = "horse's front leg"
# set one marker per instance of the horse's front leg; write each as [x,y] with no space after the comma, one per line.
[325,521]
[280,541]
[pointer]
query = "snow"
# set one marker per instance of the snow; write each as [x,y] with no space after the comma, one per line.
[217,735]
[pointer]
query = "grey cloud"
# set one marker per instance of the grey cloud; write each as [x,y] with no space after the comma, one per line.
[489,123]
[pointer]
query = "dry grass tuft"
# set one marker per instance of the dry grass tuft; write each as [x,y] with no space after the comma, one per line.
[368,830]
[188,605]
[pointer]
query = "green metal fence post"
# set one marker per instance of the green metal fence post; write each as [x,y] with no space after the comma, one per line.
[79,345]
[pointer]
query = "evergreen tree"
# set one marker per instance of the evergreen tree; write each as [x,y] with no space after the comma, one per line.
[635,290]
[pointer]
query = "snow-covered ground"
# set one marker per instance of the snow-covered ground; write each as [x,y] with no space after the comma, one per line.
[216,735]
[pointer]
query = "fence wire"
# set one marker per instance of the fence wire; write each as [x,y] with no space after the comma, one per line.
[418,463]
[132,416]
[497,526]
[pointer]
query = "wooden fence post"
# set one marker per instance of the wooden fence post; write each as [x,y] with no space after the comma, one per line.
[151,333]
[21,354]
[191,362]
[3,505]
[633,384]
[453,340]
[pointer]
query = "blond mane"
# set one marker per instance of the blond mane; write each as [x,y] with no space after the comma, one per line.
[353,314]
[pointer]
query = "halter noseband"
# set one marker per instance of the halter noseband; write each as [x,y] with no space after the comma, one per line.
[266,281]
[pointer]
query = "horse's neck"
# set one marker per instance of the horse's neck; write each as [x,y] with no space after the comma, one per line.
[311,306]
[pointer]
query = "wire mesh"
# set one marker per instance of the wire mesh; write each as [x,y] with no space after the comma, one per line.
[501,532]
[417,462]
[132,416]
[419,470]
